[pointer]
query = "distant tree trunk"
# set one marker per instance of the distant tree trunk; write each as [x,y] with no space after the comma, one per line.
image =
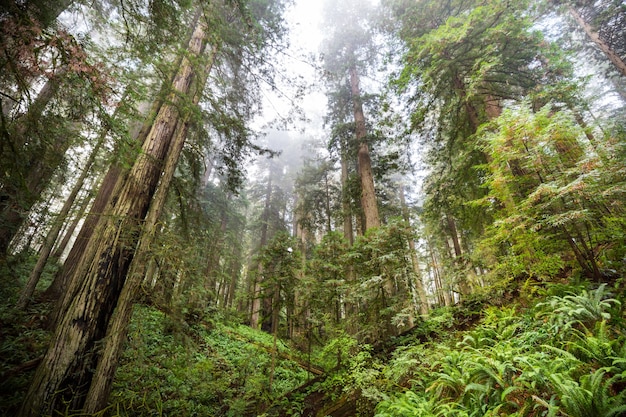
[419,282]
[327,203]
[235,269]
[442,292]
[257,295]
[53,234]
[65,374]
[69,232]
[368,193]
[23,187]
[615,59]
[345,201]
[458,254]
[216,252]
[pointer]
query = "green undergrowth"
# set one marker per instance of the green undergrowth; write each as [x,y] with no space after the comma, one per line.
[170,368]
[560,351]
[563,356]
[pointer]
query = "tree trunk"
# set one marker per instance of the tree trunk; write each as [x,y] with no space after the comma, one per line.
[327,204]
[235,269]
[615,59]
[65,374]
[419,283]
[368,193]
[69,232]
[63,279]
[345,201]
[102,381]
[53,234]
[32,171]
[257,296]
[458,254]
[216,252]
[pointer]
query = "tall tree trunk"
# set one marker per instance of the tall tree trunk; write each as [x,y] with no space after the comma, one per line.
[368,193]
[69,232]
[216,252]
[102,380]
[235,269]
[65,374]
[458,254]
[139,132]
[257,295]
[63,282]
[615,59]
[327,203]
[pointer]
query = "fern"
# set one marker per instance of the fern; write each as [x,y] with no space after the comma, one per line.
[592,397]
[583,310]
[599,347]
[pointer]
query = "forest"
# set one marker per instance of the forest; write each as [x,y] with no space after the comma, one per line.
[278,208]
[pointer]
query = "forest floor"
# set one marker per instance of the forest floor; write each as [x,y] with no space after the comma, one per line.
[553,350]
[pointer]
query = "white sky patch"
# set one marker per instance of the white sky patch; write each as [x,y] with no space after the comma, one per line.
[304,20]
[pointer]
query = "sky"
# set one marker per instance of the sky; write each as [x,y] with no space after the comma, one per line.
[304,19]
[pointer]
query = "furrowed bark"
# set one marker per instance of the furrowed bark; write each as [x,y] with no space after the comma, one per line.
[65,374]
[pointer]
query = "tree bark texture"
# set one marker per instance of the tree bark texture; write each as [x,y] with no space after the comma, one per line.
[102,380]
[368,193]
[65,373]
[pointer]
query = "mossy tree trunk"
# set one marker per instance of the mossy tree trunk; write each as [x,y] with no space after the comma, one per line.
[65,374]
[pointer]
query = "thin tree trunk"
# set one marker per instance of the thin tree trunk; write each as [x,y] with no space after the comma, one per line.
[416,269]
[65,373]
[327,204]
[345,201]
[69,232]
[23,187]
[235,269]
[216,252]
[615,59]
[458,254]
[57,225]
